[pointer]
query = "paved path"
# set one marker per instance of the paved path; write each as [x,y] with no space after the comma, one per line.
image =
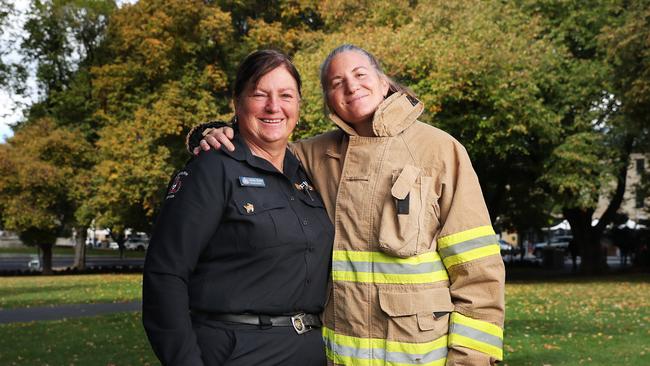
[65,311]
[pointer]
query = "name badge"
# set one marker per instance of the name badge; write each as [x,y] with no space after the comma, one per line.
[252,182]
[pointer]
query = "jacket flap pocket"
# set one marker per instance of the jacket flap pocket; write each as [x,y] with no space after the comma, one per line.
[251,207]
[404,182]
[416,302]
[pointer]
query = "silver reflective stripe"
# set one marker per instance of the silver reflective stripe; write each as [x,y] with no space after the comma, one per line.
[414,359]
[381,354]
[396,268]
[468,245]
[363,353]
[475,334]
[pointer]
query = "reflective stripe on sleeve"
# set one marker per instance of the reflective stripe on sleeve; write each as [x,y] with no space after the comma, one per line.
[476,334]
[468,245]
[376,267]
[355,351]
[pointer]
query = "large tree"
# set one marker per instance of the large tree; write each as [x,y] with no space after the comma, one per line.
[598,130]
[41,181]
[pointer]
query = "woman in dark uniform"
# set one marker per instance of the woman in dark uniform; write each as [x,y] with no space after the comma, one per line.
[236,272]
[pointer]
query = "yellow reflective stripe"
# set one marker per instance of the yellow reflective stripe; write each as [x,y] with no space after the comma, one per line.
[466,235]
[372,277]
[481,325]
[367,351]
[459,340]
[357,256]
[369,276]
[380,343]
[476,334]
[471,255]
[351,361]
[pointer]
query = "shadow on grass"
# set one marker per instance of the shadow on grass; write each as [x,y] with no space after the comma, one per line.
[541,275]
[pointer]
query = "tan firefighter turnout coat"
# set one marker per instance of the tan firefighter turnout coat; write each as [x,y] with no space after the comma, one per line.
[416,270]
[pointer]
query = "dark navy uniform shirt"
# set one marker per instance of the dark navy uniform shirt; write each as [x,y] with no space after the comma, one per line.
[234,236]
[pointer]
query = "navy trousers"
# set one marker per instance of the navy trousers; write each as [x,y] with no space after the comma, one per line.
[232,344]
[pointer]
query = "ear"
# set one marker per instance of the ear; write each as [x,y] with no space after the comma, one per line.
[234,105]
[384,86]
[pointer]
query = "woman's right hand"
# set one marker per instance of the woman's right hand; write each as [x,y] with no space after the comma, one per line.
[216,137]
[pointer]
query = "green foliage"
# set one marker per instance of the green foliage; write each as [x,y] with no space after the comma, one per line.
[576,168]
[39,166]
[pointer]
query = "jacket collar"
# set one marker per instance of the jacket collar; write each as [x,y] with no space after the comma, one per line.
[394,115]
[243,153]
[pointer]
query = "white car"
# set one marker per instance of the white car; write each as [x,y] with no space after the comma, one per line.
[139,244]
[34,264]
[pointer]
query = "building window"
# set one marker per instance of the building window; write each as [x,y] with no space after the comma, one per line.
[640,198]
[640,166]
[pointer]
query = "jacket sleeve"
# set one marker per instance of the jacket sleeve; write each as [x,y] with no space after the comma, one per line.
[197,133]
[469,249]
[189,217]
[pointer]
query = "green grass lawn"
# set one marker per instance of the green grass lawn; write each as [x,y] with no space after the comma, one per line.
[584,321]
[596,321]
[70,251]
[16,292]
[116,339]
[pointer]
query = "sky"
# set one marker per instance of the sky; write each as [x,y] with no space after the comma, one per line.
[10,110]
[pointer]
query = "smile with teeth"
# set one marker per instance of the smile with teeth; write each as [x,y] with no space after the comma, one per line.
[271,120]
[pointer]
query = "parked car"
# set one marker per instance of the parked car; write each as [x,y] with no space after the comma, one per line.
[559,242]
[34,264]
[136,243]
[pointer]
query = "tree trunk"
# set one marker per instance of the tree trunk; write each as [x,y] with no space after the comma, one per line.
[587,240]
[587,237]
[46,249]
[80,249]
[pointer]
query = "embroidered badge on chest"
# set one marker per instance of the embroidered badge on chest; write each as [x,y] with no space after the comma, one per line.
[176,185]
[252,182]
[249,208]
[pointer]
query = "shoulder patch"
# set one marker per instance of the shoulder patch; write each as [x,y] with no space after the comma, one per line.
[176,185]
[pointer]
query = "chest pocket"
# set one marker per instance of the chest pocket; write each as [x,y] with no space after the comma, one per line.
[262,223]
[408,219]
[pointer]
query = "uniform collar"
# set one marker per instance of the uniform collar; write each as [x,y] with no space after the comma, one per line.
[243,153]
[395,114]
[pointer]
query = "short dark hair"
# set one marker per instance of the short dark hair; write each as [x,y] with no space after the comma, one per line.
[260,63]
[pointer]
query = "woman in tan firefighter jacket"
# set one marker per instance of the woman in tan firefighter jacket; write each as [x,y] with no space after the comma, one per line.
[417,277]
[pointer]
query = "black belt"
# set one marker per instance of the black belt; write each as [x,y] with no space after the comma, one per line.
[301,322]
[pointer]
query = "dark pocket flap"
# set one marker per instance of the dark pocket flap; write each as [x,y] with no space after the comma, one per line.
[251,207]
[405,181]
[417,302]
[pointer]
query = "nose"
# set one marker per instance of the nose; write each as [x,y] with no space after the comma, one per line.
[272,104]
[351,85]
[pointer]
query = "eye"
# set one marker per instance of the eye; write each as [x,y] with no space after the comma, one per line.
[286,96]
[361,75]
[335,84]
[258,96]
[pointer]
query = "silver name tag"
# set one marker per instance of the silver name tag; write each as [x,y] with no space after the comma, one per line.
[252,182]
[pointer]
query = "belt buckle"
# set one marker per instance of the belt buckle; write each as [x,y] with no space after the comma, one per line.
[298,322]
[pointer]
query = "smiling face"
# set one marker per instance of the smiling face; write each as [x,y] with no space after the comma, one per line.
[268,112]
[354,89]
